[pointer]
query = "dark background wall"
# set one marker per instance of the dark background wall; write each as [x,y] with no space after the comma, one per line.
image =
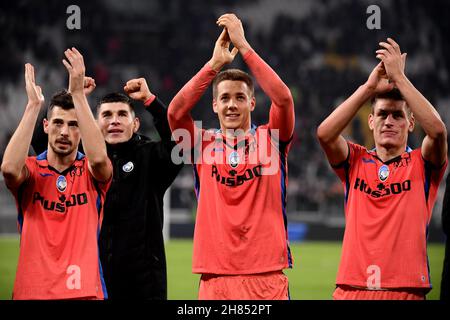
[323,50]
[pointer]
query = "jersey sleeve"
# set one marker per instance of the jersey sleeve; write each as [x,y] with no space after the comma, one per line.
[282,115]
[342,169]
[103,186]
[433,177]
[437,173]
[182,104]
[20,192]
[30,164]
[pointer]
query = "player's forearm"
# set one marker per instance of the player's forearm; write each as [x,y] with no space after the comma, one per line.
[269,81]
[17,150]
[93,141]
[423,110]
[244,48]
[282,114]
[331,128]
[184,101]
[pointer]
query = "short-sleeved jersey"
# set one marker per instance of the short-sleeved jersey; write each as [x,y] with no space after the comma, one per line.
[388,206]
[241,216]
[59,218]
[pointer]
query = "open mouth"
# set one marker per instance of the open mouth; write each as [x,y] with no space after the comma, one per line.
[115,131]
[232,116]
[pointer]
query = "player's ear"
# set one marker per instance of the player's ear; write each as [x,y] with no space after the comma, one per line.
[412,122]
[214,103]
[45,122]
[370,121]
[136,124]
[252,103]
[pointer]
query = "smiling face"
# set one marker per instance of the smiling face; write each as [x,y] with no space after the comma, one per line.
[63,132]
[117,122]
[391,121]
[233,104]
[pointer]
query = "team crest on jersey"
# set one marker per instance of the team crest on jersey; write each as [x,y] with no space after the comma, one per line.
[128,167]
[233,159]
[383,172]
[61,183]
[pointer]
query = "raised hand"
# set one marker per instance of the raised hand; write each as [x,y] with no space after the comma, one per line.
[75,67]
[137,89]
[393,60]
[88,84]
[222,54]
[378,81]
[34,92]
[235,30]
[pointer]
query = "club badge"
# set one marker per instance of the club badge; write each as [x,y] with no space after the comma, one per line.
[233,159]
[128,167]
[61,183]
[383,172]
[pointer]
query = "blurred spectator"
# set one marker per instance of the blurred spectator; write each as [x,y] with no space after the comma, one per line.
[321,49]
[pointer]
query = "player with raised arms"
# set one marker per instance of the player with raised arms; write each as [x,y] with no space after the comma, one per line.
[240,238]
[390,190]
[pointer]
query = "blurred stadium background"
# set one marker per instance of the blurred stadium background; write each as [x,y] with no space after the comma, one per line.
[323,51]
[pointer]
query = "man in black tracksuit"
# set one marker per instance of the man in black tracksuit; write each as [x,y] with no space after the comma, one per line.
[131,241]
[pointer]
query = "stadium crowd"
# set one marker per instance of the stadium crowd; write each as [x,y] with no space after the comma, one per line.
[321,49]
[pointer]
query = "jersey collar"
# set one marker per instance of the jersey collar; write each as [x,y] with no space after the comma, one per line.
[43,156]
[43,162]
[252,130]
[220,138]
[373,152]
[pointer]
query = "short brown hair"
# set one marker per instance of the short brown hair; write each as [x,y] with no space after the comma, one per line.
[62,99]
[394,94]
[233,75]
